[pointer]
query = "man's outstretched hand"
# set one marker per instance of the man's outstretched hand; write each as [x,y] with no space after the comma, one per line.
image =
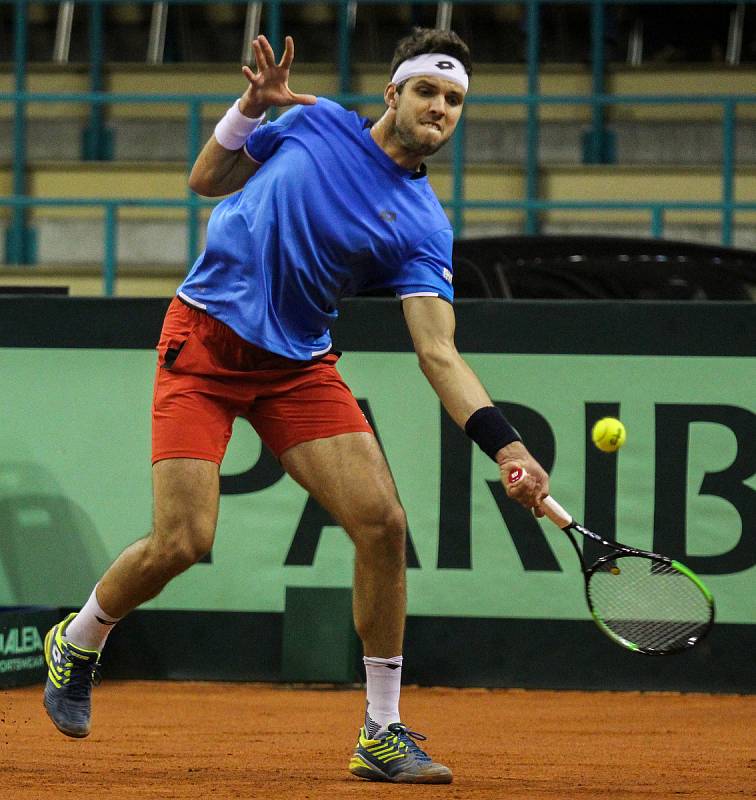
[534,485]
[269,86]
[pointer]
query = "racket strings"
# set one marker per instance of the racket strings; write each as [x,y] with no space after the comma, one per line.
[648,603]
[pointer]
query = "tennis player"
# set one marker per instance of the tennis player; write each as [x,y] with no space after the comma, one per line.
[322,205]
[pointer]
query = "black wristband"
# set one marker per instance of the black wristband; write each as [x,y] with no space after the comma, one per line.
[490,430]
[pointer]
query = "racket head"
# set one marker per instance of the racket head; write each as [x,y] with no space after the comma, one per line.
[648,603]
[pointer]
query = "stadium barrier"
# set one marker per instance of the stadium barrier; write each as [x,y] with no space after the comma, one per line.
[494,598]
[22,633]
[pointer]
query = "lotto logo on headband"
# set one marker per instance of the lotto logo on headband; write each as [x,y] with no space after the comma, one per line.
[439,64]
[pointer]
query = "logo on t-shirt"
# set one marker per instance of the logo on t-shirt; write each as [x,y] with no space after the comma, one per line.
[388,216]
[447,274]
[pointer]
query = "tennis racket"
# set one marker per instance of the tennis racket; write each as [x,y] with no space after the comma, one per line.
[643,601]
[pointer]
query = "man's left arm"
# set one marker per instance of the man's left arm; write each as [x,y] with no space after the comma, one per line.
[431,324]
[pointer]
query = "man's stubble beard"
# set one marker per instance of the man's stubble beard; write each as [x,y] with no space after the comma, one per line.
[406,137]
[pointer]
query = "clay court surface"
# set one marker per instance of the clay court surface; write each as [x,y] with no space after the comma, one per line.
[203,740]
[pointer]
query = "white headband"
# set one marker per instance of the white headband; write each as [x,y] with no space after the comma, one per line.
[438,64]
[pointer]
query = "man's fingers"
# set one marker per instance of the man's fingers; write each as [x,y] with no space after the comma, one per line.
[259,55]
[528,486]
[267,51]
[288,55]
[522,488]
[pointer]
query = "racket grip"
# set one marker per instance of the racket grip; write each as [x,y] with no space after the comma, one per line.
[555,512]
[550,507]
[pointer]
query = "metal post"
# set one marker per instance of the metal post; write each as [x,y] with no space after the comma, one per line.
[532,222]
[635,44]
[194,144]
[657,222]
[728,171]
[111,249]
[443,22]
[62,45]
[251,30]
[273,35]
[458,179]
[156,40]
[598,145]
[345,41]
[16,238]
[444,16]
[273,26]
[19,240]
[735,35]
[352,15]
[97,143]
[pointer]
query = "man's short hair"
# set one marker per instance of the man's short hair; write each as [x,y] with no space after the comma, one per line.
[431,40]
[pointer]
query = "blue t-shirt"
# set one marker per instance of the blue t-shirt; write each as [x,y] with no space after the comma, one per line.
[327,215]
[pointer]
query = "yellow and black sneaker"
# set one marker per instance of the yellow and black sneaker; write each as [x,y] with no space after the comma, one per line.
[71,673]
[395,757]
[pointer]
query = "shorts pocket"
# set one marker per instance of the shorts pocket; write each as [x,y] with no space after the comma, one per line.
[178,327]
[171,354]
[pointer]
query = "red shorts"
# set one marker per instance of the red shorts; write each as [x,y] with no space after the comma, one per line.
[207,376]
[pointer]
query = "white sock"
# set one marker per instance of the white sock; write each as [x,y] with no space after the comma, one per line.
[90,627]
[384,682]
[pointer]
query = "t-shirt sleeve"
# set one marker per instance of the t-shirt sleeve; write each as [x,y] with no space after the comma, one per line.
[427,270]
[263,142]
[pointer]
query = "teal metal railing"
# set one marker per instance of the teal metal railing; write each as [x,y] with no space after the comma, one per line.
[111,207]
[97,145]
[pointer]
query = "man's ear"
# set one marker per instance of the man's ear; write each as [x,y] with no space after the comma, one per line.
[390,95]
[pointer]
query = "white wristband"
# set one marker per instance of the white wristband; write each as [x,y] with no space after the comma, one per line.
[234,128]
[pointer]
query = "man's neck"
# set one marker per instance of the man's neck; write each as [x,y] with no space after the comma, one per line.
[382,136]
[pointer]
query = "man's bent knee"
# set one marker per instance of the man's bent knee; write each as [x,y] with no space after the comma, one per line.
[186,508]
[386,529]
[180,547]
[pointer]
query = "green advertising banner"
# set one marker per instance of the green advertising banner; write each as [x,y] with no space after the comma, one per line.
[75,481]
[22,633]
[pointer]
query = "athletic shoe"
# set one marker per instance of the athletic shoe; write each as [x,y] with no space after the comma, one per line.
[71,673]
[395,757]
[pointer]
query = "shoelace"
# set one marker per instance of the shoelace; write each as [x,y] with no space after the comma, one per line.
[83,676]
[406,736]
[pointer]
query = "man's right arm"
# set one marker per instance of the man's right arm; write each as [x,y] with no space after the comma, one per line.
[431,324]
[219,170]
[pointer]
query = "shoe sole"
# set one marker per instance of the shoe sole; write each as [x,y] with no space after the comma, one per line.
[363,770]
[47,652]
[71,734]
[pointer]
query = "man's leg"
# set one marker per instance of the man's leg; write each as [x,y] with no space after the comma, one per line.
[186,493]
[349,477]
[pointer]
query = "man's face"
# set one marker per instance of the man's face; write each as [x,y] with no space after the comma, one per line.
[427,111]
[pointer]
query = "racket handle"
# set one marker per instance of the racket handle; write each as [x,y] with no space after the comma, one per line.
[550,507]
[555,512]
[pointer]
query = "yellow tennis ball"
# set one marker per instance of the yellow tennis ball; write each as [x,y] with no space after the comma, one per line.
[608,434]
